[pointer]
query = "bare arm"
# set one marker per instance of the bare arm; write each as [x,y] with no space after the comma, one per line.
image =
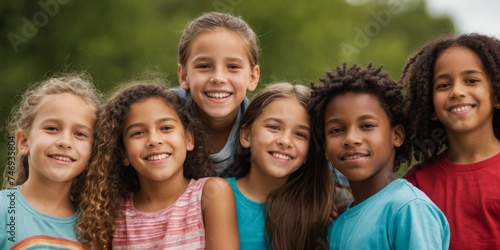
[219,215]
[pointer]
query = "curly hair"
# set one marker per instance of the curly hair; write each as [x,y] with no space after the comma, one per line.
[417,77]
[369,80]
[33,100]
[297,212]
[107,181]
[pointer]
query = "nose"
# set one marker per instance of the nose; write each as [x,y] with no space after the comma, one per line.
[285,140]
[219,76]
[153,140]
[457,90]
[352,138]
[64,140]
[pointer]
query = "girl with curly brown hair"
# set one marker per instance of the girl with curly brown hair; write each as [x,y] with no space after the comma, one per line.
[454,100]
[145,187]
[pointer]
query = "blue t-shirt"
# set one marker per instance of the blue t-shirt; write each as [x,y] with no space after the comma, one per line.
[226,157]
[251,220]
[23,227]
[399,216]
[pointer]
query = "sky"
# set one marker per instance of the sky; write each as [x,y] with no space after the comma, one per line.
[480,16]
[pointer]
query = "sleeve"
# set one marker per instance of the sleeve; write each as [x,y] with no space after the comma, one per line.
[419,224]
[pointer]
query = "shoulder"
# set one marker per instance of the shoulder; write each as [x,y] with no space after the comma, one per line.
[215,186]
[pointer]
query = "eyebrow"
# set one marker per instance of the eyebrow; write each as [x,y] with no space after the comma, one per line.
[138,124]
[467,72]
[206,58]
[54,120]
[361,118]
[302,126]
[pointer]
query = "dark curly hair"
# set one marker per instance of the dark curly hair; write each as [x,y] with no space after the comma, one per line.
[107,181]
[369,80]
[417,76]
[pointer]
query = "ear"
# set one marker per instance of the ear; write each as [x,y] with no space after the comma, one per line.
[189,140]
[22,142]
[245,137]
[182,76]
[398,135]
[254,78]
[126,162]
[434,116]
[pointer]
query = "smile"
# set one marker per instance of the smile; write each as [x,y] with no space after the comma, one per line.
[218,95]
[461,108]
[281,156]
[353,157]
[61,158]
[157,157]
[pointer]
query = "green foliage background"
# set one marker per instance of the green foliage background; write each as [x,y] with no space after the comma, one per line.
[115,41]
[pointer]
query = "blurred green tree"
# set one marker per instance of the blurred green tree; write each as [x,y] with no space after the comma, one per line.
[115,41]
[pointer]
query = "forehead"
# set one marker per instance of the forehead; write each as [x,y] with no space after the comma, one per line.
[458,58]
[148,108]
[354,105]
[217,41]
[287,108]
[65,106]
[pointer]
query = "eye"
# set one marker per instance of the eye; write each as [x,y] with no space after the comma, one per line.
[273,127]
[136,133]
[368,126]
[471,80]
[442,85]
[303,135]
[166,128]
[335,131]
[234,66]
[203,66]
[51,129]
[81,134]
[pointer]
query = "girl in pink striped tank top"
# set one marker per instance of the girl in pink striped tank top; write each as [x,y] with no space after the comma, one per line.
[148,186]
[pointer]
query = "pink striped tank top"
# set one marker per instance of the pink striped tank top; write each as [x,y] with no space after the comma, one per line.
[179,226]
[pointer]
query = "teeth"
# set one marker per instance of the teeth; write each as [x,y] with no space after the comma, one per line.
[281,156]
[460,109]
[218,95]
[61,158]
[353,157]
[157,157]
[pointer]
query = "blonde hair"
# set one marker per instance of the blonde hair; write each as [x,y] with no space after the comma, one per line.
[32,101]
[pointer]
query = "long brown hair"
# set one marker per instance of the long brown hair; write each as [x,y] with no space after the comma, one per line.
[107,180]
[298,211]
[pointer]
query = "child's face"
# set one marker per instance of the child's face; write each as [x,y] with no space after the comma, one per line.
[59,143]
[360,141]
[218,73]
[155,140]
[278,139]
[462,92]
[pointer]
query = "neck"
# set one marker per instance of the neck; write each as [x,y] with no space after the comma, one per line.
[257,187]
[155,196]
[362,190]
[49,198]
[219,129]
[467,148]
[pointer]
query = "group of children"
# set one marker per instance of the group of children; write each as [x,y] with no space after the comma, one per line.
[202,166]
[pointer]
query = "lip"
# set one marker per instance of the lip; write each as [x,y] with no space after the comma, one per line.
[460,108]
[281,155]
[62,158]
[354,156]
[218,94]
[157,156]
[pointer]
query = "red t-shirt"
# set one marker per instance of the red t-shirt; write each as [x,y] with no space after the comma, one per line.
[468,195]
